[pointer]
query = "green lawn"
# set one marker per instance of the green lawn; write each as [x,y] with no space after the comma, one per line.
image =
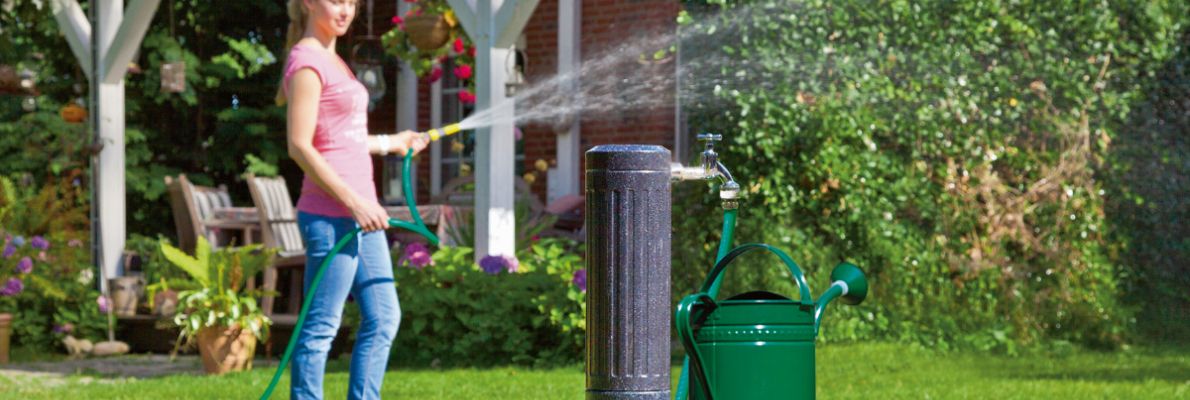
[868,371]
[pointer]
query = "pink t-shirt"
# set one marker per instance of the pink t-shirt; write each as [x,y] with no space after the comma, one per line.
[341,134]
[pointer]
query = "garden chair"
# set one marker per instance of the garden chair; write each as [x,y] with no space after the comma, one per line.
[278,222]
[566,211]
[194,208]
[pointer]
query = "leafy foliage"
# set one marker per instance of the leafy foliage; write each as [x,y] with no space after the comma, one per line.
[455,314]
[953,150]
[220,301]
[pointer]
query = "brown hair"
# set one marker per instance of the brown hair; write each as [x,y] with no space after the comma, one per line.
[297,26]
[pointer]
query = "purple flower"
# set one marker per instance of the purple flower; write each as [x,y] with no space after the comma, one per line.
[19,241]
[13,287]
[64,328]
[105,304]
[580,279]
[493,264]
[417,254]
[39,243]
[25,265]
[9,250]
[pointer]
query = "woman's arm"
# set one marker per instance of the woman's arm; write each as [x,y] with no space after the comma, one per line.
[305,89]
[398,144]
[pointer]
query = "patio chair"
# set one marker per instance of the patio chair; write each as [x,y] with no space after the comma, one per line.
[278,222]
[566,211]
[194,208]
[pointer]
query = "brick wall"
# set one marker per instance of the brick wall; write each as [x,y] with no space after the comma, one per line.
[605,24]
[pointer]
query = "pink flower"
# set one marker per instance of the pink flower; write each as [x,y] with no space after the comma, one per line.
[435,74]
[397,20]
[458,48]
[104,303]
[466,97]
[417,254]
[25,265]
[463,72]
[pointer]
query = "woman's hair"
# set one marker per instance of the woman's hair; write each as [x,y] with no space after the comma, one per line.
[297,26]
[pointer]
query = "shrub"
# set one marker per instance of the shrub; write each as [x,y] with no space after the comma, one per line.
[952,149]
[454,314]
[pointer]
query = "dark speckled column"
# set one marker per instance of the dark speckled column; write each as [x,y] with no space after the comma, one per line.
[628,243]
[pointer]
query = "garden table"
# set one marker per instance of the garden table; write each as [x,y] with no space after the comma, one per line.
[247,219]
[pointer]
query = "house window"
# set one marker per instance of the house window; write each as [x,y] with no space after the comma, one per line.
[456,150]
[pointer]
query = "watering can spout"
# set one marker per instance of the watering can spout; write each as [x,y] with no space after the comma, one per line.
[848,284]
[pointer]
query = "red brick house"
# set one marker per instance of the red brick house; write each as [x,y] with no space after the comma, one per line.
[587,28]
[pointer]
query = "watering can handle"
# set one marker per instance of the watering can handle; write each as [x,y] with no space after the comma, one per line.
[803,287]
[686,332]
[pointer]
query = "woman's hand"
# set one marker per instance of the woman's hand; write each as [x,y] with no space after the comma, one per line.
[409,140]
[370,216]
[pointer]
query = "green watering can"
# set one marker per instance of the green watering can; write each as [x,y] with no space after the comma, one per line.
[758,344]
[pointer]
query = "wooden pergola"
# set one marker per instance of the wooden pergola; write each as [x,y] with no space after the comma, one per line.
[106,41]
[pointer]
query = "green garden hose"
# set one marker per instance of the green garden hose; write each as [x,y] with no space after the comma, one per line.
[417,226]
[729,217]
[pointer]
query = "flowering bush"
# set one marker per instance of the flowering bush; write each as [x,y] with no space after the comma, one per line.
[48,285]
[429,63]
[501,311]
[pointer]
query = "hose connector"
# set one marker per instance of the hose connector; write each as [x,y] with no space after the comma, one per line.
[729,193]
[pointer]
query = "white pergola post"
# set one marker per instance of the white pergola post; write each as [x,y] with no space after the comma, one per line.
[564,179]
[494,26]
[104,56]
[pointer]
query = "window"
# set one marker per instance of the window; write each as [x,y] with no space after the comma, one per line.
[455,151]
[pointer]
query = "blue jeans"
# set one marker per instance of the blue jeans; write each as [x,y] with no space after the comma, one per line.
[363,268]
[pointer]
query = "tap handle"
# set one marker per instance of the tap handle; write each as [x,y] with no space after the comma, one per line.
[710,138]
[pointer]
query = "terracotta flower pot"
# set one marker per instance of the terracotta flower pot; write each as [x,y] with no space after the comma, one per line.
[427,31]
[5,335]
[226,349]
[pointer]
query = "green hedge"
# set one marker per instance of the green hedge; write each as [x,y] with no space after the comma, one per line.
[454,314]
[961,152]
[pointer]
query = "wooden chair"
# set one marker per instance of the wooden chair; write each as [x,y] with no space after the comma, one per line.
[194,208]
[278,222]
[460,191]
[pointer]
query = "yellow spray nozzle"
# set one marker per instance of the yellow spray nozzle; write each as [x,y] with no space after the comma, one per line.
[439,133]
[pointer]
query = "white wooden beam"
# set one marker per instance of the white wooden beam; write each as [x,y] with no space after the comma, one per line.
[465,13]
[511,19]
[136,21]
[566,178]
[495,150]
[76,29]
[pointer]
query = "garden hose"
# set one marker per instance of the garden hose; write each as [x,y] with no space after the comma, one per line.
[418,226]
[729,217]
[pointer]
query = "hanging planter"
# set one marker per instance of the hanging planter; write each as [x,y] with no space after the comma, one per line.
[427,31]
[72,113]
[173,77]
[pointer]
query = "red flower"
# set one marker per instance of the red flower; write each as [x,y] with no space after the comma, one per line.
[466,97]
[471,52]
[397,20]
[435,74]
[458,46]
[463,72]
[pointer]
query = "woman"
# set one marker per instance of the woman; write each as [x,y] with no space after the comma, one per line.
[328,137]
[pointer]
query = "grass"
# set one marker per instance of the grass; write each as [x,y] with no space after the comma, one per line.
[862,371]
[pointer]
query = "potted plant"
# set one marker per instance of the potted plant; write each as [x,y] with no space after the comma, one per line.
[220,316]
[426,36]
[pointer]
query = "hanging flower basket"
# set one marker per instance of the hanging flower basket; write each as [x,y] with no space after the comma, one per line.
[427,31]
